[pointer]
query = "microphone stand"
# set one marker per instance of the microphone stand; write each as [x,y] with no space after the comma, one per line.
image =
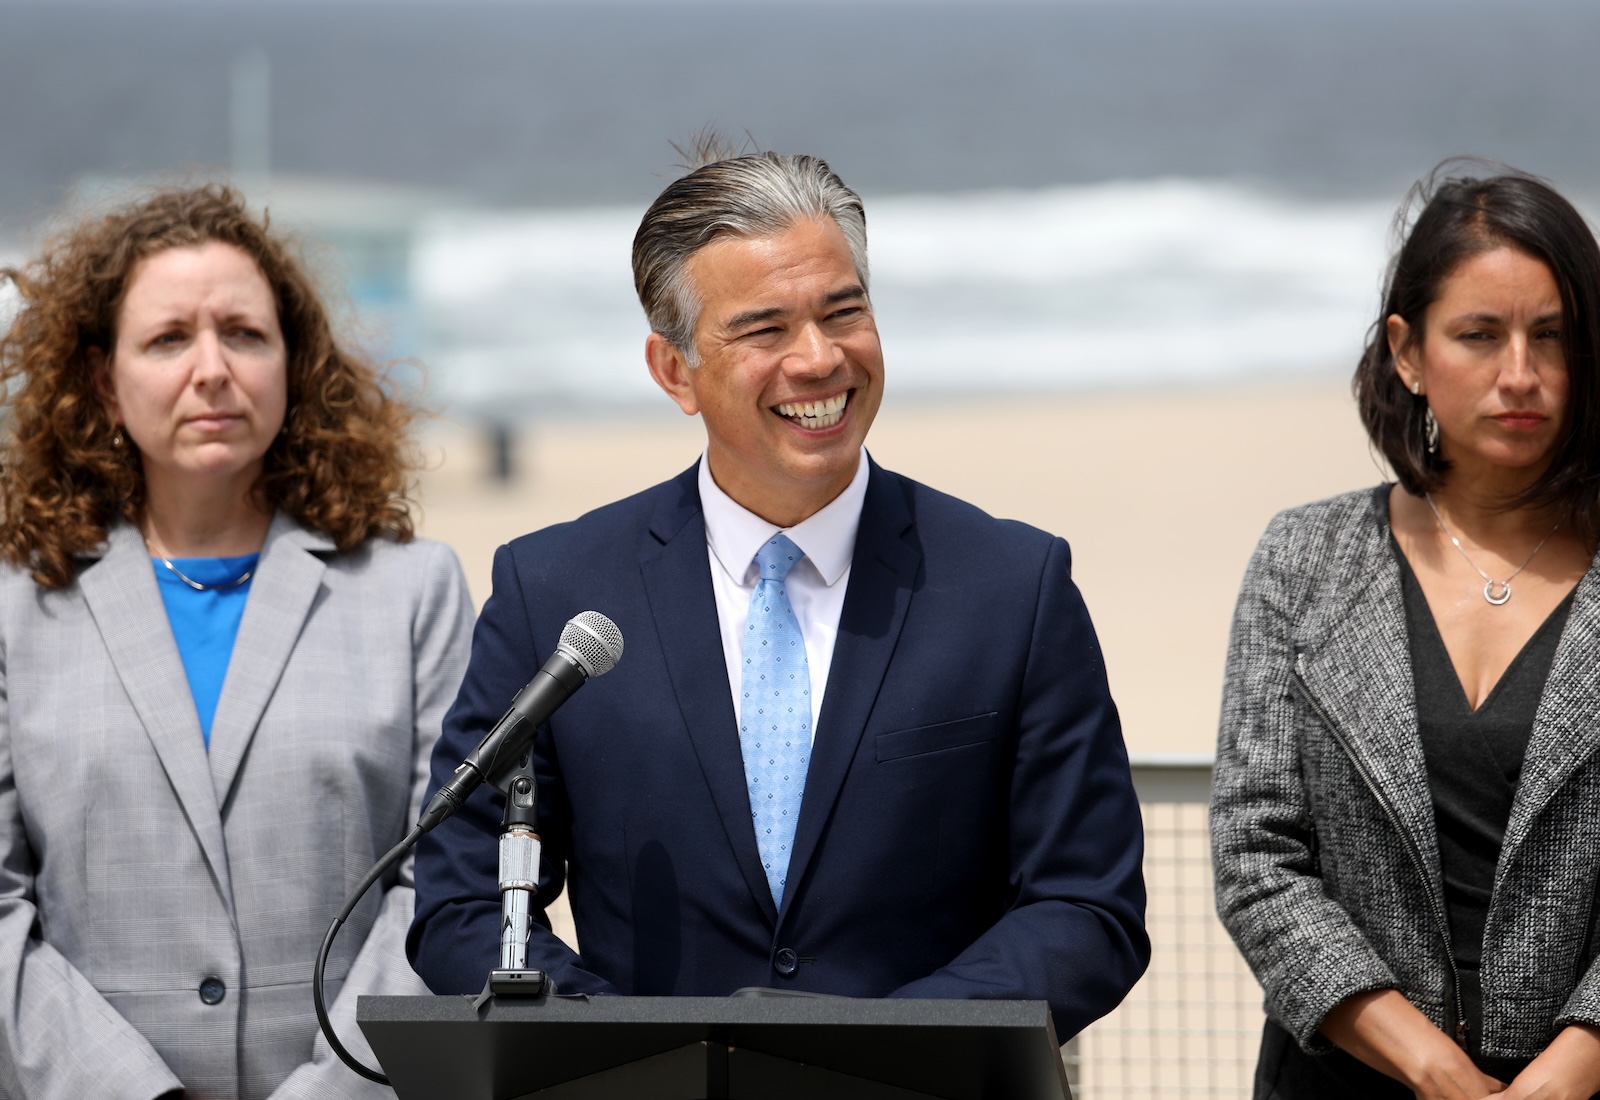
[519,881]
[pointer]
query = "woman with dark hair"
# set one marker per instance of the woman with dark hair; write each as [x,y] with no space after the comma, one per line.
[1406,808]
[223,662]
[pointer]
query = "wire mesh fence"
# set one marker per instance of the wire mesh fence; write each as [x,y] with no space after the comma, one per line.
[1192,1025]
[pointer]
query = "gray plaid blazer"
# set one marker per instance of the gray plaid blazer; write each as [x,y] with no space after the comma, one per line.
[135,866]
[1322,828]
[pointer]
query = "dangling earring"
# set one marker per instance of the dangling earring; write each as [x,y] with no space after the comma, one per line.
[1430,432]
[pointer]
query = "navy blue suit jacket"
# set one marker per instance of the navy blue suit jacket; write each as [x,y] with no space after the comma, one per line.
[968,829]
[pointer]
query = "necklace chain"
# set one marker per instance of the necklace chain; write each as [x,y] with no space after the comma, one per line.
[191,582]
[1496,592]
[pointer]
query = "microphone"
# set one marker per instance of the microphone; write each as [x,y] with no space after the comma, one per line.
[591,645]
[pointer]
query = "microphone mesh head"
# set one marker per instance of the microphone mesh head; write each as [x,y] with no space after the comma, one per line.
[594,641]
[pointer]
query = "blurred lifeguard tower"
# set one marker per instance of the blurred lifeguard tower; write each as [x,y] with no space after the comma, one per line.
[366,231]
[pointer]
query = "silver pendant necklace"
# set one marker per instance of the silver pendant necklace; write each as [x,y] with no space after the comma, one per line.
[1496,592]
[190,581]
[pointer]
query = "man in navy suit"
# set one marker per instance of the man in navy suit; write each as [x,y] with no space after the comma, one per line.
[962,822]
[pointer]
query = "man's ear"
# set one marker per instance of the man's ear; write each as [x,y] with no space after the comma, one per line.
[100,371]
[672,372]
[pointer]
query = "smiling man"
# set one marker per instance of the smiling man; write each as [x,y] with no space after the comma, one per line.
[861,742]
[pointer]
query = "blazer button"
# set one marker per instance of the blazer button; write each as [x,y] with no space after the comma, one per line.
[212,990]
[785,962]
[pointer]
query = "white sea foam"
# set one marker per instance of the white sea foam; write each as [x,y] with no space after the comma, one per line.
[1126,284]
[10,300]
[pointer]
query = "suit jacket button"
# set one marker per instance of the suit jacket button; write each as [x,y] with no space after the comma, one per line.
[785,962]
[212,990]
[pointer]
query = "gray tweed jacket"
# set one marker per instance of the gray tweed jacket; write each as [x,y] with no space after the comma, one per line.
[1322,828]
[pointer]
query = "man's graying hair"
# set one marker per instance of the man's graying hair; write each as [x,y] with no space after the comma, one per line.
[754,195]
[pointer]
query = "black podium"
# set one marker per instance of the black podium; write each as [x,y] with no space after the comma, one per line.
[714,1048]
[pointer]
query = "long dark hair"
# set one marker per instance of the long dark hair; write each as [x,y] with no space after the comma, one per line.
[1459,217]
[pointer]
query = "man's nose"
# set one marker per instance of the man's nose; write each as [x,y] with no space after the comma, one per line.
[814,353]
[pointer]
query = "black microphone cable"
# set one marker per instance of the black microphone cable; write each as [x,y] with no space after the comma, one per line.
[393,856]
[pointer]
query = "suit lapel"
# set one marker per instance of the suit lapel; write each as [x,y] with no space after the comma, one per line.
[1564,734]
[121,593]
[1356,665]
[883,570]
[676,569]
[287,580]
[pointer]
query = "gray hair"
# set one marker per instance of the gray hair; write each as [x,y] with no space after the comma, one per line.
[755,195]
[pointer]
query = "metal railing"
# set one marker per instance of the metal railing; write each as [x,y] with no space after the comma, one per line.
[1192,1025]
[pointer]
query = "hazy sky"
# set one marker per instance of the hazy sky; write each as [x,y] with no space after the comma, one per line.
[538,103]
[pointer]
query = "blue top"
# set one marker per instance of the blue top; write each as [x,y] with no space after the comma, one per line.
[205,623]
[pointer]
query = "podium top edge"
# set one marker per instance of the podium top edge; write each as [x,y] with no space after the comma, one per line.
[853,1011]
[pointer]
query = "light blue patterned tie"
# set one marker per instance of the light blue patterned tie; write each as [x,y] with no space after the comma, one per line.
[775,711]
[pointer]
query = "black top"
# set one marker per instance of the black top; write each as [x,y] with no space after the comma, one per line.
[1474,760]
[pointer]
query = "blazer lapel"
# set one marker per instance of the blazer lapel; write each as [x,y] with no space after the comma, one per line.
[1356,665]
[287,580]
[121,594]
[676,569]
[1565,734]
[883,571]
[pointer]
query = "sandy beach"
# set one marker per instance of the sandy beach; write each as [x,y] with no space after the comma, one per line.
[1161,493]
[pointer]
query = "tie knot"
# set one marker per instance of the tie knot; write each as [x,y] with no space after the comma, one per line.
[776,557]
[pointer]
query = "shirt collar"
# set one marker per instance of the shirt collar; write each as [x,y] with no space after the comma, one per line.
[827,538]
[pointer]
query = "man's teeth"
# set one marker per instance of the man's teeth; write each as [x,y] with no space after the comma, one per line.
[816,414]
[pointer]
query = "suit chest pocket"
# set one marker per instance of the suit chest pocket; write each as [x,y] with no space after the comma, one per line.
[940,737]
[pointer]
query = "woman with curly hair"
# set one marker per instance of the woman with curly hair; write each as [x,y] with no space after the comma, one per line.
[223,662]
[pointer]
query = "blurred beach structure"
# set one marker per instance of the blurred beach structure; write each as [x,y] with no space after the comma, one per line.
[1124,256]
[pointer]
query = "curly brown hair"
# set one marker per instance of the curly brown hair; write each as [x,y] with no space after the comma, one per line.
[343,464]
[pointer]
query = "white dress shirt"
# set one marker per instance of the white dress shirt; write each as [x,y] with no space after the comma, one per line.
[816,585]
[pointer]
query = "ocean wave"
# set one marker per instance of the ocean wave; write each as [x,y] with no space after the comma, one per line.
[1123,284]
